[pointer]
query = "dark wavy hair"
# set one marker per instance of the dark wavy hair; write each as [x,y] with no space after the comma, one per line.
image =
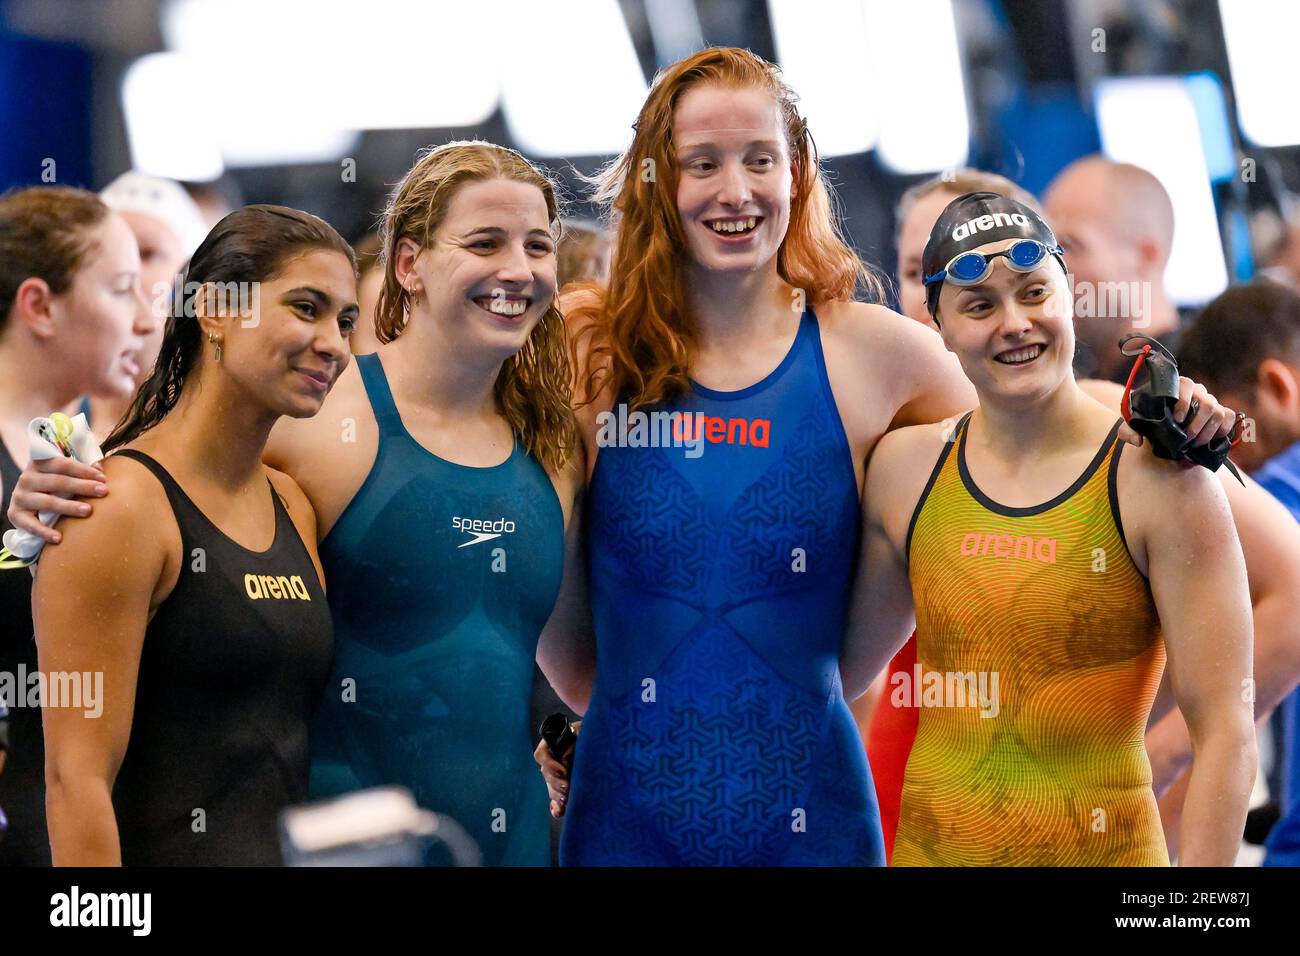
[251,244]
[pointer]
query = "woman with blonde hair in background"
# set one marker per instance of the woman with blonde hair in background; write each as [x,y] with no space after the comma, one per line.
[370,268]
[584,253]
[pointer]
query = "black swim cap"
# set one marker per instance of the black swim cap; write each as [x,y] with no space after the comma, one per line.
[969,222]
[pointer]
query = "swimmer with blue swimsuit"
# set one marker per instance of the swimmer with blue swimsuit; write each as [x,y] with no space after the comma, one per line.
[722,563]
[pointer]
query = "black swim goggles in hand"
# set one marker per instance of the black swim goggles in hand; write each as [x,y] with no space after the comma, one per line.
[972,268]
[1148,407]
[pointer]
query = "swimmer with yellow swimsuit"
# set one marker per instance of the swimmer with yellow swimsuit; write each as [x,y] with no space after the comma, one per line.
[1050,577]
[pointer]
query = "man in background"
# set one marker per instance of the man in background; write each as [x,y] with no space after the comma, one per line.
[1116,224]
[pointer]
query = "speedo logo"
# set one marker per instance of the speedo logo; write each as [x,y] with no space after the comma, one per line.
[986,222]
[482,529]
[278,587]
[1022,547]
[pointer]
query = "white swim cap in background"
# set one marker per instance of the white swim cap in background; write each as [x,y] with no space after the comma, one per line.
[162,199]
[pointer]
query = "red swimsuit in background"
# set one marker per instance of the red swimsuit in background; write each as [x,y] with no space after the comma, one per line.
[889,741]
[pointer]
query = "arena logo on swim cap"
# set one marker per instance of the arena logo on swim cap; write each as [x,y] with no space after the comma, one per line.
[986,222]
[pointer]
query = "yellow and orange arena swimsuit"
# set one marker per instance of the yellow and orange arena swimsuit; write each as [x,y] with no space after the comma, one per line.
[1043,610]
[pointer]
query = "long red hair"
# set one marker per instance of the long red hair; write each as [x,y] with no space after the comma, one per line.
[639,329]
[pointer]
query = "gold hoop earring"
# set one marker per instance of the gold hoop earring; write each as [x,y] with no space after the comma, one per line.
[415,298]
[216,346]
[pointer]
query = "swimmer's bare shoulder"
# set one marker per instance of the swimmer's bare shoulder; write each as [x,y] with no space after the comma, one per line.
[127,551]
[329,454]
[893,371]
[1155,499]
[899,469]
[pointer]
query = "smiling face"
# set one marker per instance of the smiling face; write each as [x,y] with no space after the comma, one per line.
[292,356]
[735,180]
[103,317]
[1012,333]
[488,275]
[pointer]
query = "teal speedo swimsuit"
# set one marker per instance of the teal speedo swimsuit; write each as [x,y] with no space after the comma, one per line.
[440,578]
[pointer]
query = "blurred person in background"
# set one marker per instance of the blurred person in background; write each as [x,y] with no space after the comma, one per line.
[1246,345]
[369,262]
[216,199]
[584,253]
[74,320]
[1116,225]
[168,227]
[1281,263]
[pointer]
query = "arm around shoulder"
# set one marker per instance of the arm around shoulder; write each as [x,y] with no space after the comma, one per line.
[924,380]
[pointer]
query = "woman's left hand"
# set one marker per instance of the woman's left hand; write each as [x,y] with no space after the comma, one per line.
[1211,420]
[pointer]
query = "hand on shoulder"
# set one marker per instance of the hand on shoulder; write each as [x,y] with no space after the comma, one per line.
[126,542]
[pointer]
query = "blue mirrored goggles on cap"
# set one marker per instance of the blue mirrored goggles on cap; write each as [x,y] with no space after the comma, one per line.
[972,268]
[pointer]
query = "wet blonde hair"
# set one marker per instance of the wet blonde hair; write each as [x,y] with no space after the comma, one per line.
[641,334]
[535,386]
